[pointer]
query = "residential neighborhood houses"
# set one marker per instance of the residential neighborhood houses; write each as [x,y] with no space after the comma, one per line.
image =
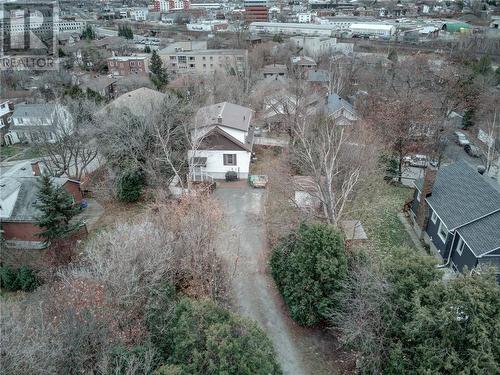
[304,188]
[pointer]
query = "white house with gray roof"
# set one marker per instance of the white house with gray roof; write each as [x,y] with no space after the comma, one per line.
[222,138]
[40,122]
[340,110]
[458,212]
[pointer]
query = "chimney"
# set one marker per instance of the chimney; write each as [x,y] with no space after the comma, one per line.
[422,210]
[219,119]
[35,167]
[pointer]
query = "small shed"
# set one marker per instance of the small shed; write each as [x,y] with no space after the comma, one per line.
[306,192]
[353,231]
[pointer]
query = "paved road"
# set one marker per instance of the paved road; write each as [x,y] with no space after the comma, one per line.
[255,295]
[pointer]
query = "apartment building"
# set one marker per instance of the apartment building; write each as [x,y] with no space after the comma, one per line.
[194,57]
[127,65]
[207,61]
[256,10]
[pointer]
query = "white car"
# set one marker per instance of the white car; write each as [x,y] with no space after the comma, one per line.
[461,139]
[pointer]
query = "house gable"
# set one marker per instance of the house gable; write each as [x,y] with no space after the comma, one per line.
[218,140]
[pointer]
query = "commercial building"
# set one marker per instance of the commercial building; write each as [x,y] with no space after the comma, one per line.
[127,65]
[256,10]
[171,5]
[291,28]
[208,26]
[373,29]
[317,46]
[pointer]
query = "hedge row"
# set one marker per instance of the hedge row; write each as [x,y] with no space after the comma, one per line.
[22,278]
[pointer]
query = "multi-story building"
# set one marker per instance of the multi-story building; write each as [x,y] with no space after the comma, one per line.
[127,65]
[256,10]
[171,5]
[194,58]
[317,46]
[138,14]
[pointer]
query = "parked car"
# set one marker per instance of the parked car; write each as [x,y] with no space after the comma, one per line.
[461,139]
[420,161]
[472,150]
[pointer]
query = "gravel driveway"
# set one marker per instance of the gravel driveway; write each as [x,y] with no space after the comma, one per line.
[243,245]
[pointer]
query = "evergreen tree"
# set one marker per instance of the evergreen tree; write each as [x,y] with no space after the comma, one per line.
[147,49]
[57,208]
[467,120]
[159,74]
[88,33]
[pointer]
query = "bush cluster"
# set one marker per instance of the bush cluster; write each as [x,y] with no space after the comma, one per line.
[199,337]
[309,267]
[130,186]
[17,279]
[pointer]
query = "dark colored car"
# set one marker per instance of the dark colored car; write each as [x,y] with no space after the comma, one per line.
[472,150]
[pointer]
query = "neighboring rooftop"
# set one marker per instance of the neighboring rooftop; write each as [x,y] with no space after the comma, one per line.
[225,114]
[33,110]
[335,103]
[140,101]
[461,195]
[483,235]
[184,46]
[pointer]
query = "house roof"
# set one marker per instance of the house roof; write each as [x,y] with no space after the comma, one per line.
[335,103]
[318,76]
[461,195]
[25,208]
[224,114]
[33,110]
[274,69]
[140,101]
[482,236]
[217,130]
[353,230]
[303,60]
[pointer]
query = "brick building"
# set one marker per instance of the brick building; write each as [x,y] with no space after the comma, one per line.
[256,10]
[127,65]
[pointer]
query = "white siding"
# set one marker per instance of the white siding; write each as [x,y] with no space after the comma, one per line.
[215,162]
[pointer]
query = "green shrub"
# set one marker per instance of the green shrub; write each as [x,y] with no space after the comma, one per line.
[130,186]
[198,337]
[26,279]
[8,278]
[21,279]
[231,176]
[309,267]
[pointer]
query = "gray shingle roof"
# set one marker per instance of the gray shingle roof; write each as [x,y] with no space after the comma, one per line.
[231,115]
[335,103]
[35,111]
[483,235]
[461,195]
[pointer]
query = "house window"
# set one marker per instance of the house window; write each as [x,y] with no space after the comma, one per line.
[229,159]
[442,232]
[434,217]
[460,246]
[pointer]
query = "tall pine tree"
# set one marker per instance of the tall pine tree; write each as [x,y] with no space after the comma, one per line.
[159,74]
[57,208]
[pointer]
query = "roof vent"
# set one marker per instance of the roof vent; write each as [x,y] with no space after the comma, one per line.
[481,169]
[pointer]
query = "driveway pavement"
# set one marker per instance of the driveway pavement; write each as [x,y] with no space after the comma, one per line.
[243,246]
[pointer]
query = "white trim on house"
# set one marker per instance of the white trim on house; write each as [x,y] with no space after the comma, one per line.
[441,224]
[460,245]
[434,217]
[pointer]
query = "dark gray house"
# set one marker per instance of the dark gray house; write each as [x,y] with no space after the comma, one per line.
[457,211]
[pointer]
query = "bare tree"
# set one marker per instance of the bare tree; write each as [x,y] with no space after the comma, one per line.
[334,156]
[489,123]
[68,145]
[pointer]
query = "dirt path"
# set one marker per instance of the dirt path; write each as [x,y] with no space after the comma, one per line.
[243,245]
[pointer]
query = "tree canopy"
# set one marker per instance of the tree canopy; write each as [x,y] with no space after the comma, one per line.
[57,208]
[309,267]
